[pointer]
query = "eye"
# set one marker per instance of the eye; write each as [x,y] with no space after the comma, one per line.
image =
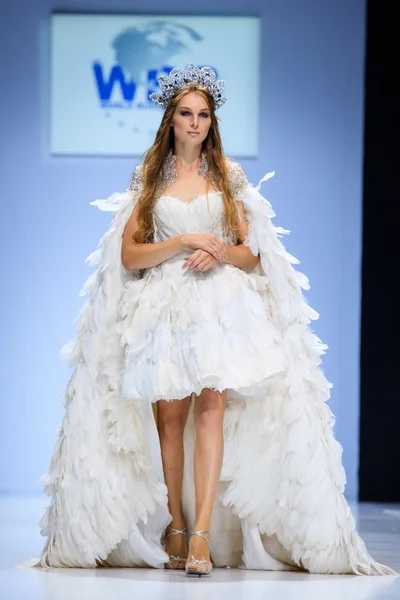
[185,113]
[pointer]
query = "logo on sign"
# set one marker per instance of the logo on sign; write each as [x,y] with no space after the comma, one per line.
[138,53]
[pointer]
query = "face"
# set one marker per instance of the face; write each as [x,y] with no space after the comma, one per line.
[191,120]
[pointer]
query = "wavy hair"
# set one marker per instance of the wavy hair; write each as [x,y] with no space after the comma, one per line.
[157,153]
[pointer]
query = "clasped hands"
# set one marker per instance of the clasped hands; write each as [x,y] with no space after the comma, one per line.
[209,250]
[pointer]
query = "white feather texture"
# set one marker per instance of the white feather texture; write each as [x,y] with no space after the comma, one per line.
[281,504]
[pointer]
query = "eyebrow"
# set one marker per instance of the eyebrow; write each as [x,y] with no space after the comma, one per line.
[202,110]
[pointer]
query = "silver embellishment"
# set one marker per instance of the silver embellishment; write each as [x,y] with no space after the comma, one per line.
[179,78]
[236,178]
[203,171]
[202,562]
[169,173]
[136,179]
[173,558]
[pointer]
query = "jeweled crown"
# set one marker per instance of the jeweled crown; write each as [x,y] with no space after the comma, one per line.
[179,78]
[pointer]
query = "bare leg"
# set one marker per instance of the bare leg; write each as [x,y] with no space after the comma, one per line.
[209,416]
[171,420]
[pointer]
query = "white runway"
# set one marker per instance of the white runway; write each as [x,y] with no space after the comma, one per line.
[20,539]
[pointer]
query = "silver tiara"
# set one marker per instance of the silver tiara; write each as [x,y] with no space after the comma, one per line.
[179,78]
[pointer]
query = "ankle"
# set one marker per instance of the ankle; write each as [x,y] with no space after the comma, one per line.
[200,540]
[203,527]
[178,523]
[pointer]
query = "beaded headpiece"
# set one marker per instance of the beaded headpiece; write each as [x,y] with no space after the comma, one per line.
[179,78]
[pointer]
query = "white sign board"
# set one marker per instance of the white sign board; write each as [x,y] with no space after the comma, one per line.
[103,68]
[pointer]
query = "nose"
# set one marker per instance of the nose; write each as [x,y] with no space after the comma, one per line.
[195,123]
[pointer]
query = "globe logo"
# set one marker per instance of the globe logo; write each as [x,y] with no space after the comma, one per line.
[141,53]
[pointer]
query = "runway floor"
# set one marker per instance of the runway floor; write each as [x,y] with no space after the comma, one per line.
[379,525]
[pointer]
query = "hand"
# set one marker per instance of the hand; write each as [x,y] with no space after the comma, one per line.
[201,260]
[205,241]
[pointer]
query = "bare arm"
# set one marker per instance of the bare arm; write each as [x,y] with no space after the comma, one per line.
[136,255]
[140,255]
[241,256]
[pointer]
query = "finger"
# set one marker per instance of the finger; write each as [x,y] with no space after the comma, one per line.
[219,254]
[187,262]
[197,263]
[207,268]
[222,249]
[202,265]
[213,251]
[190,258]
[218,251]
[202,254]
[210,263]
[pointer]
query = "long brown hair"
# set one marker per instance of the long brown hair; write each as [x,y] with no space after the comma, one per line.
[157,153]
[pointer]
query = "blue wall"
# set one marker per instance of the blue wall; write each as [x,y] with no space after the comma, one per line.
[311,135]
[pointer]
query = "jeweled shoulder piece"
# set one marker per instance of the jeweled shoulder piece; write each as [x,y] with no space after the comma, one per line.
[136,179]
[179,78]
[236,177]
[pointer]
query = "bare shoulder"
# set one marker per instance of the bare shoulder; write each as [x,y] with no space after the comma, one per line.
[236,176]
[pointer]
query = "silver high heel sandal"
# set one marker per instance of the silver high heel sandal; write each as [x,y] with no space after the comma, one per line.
[202,562]
[172,559]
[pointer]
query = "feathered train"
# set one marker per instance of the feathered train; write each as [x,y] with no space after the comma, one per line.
[281,503]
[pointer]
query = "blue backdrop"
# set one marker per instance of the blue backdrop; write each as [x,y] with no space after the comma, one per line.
[311,135]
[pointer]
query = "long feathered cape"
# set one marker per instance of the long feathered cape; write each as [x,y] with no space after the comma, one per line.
[281,503]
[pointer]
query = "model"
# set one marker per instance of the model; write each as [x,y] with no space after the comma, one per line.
[196,429]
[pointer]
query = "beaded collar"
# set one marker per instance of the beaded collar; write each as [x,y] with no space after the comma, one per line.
[169,173]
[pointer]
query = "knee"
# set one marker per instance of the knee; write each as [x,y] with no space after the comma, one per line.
[171,426]
[208,414]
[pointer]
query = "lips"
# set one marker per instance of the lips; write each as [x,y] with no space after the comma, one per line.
[193,132]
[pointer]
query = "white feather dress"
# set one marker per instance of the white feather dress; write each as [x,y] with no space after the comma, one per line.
[168,334]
